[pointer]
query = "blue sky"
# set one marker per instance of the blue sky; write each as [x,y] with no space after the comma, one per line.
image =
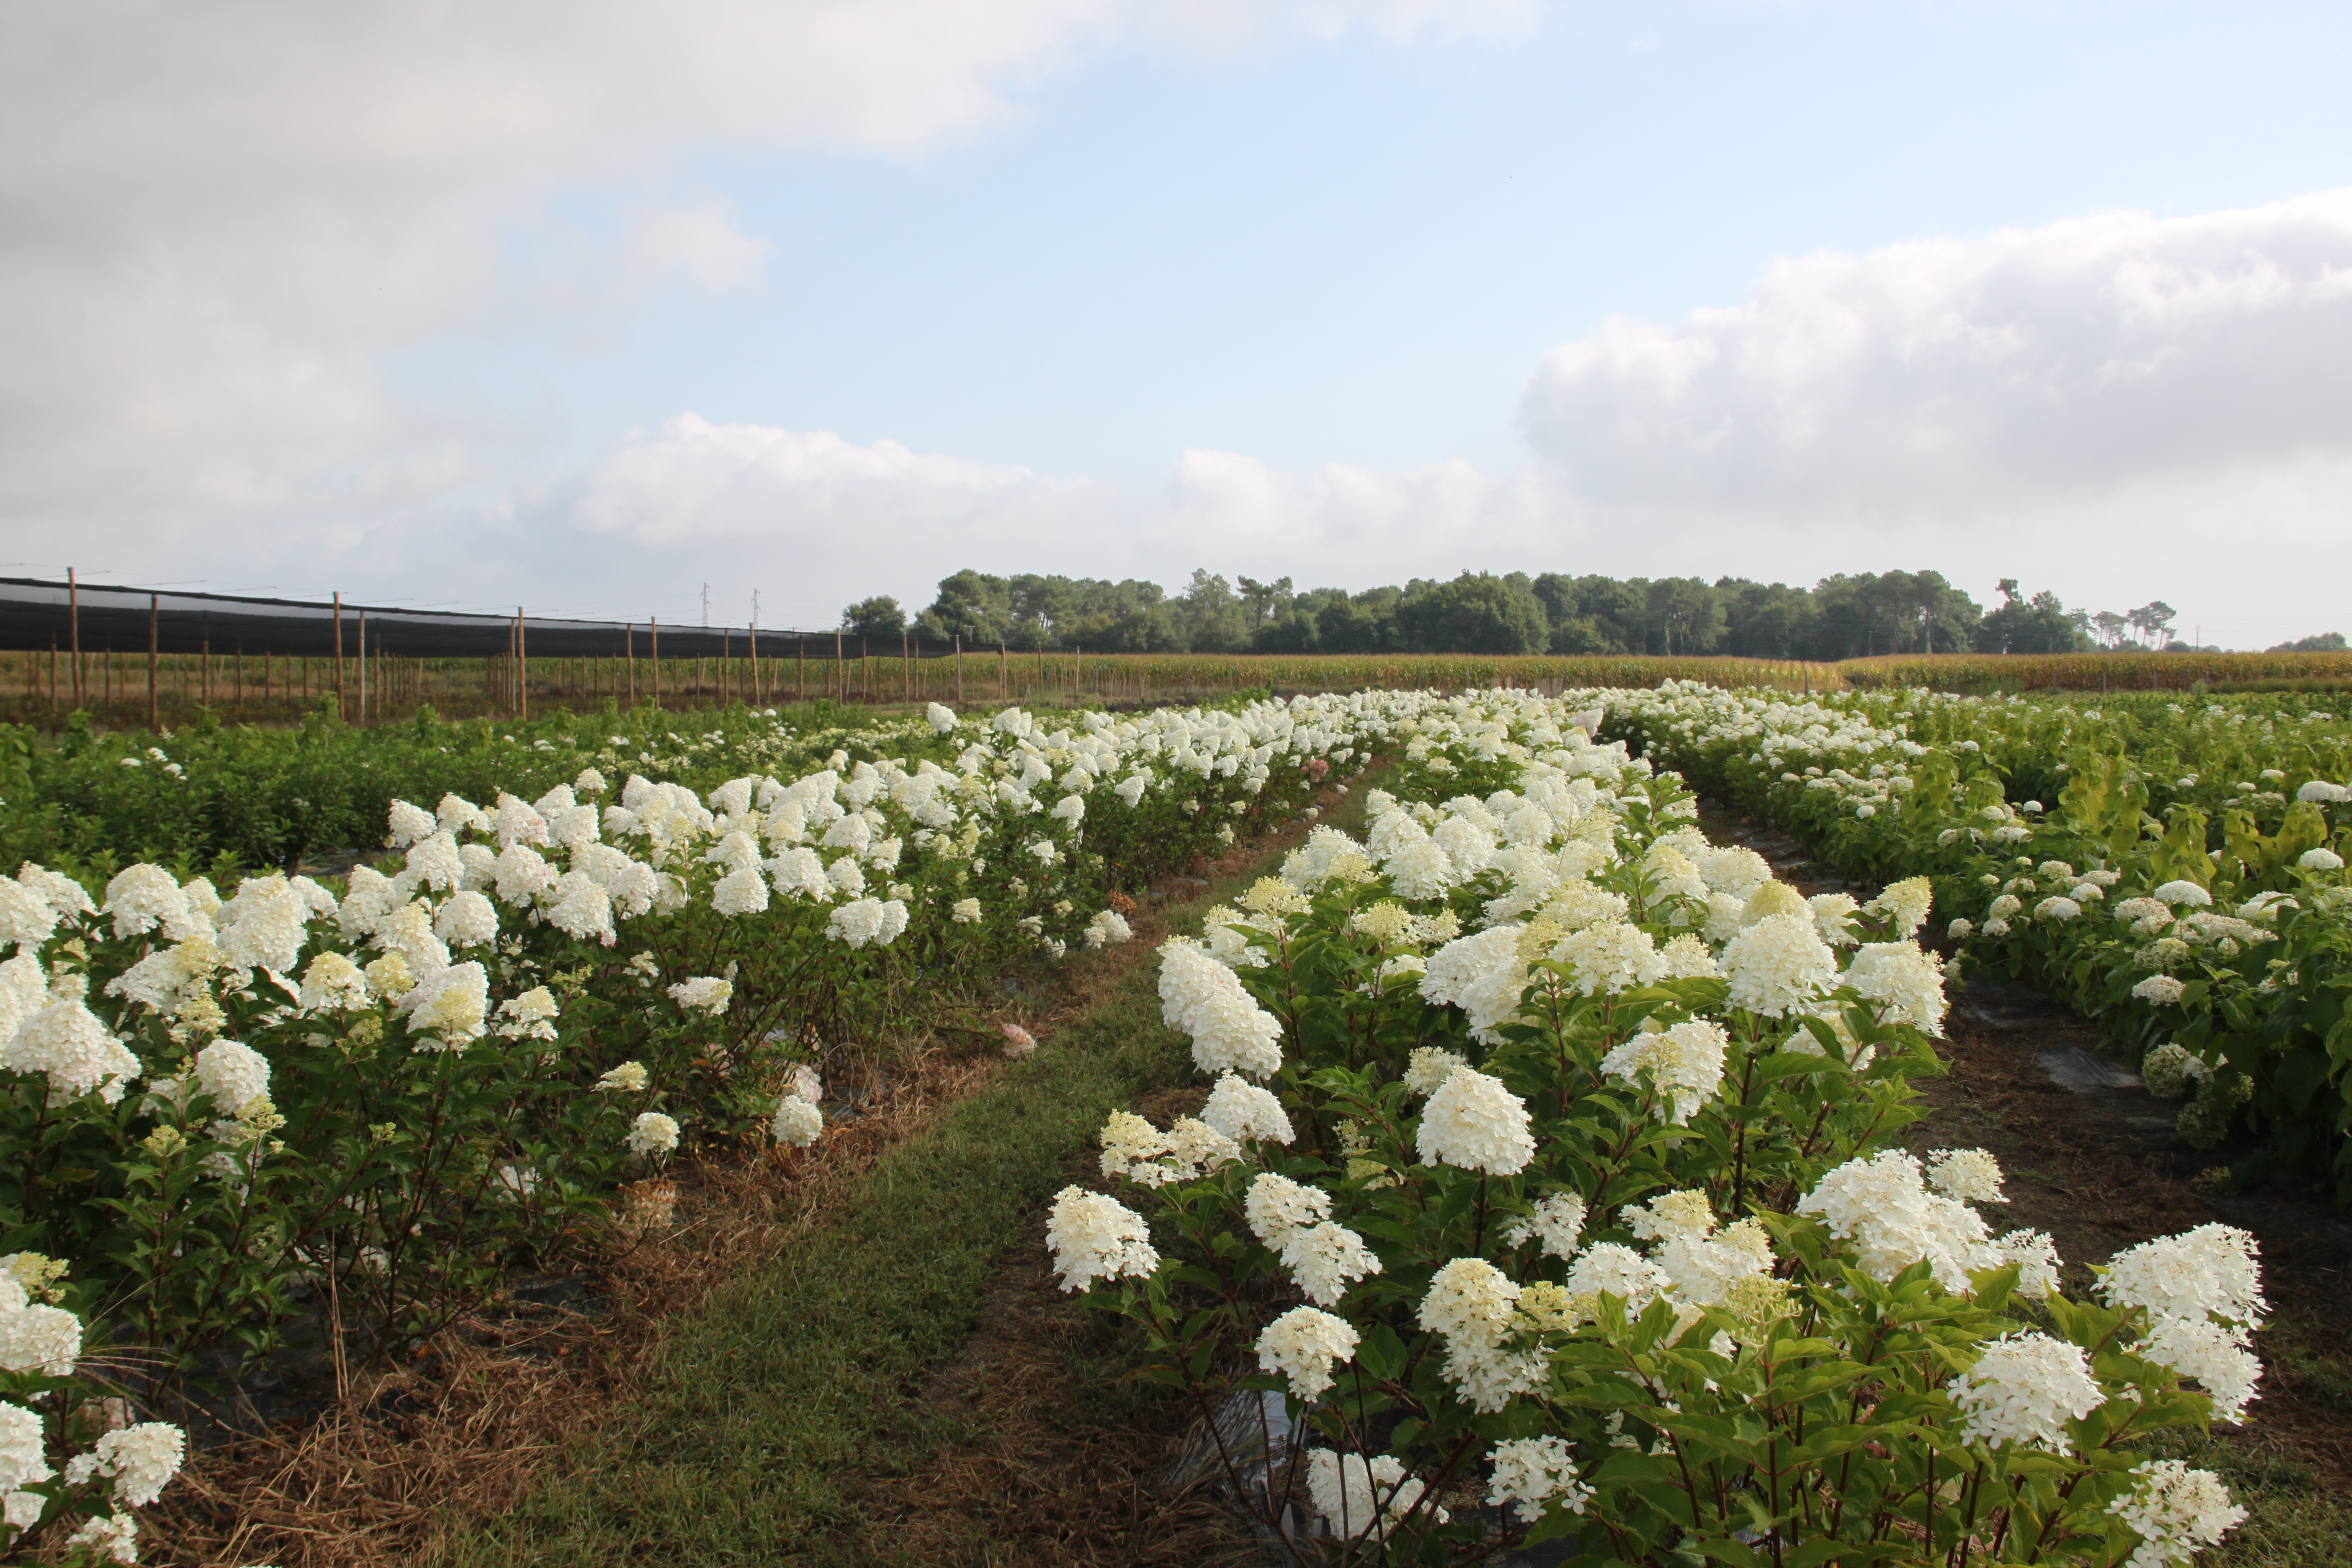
[1071,249]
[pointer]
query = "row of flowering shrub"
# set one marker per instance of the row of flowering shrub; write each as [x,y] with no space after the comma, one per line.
[2176,873]
[221,798]
[222,1112]
[1545,1172]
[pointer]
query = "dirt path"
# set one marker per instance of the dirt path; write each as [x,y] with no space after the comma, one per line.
[2093,1158]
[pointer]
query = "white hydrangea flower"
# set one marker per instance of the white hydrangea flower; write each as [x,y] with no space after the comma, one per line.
[1359,1496]
[110,1538]
[796,1121]
[1304,1344]
[22,1455]
[467,920]
[1207,1002]
[144,897]
[1607,1267]
[965,912]
[72,1046]
[1882,1206]
[1526,1473]
[652,1133]
[2160,990]
[1778,965]
[1556,1219]
[1245,1113]
[2183,892]
[410,822]
[703,994]
[34,1337]
[2211,1270]
[1685,1063]
[1428,1066]
[1324,1258]
[1472,1304]
[2176,1511]
[1096,1237]
[2321,859]
[579,908]
[141,1460]
[1668,1215]
[1276,1205]
[452,1002]
[1971,1175]
[1474,1123]
[629,1077]
[1609,957]
[233,1074]
[2215,1354]
[2023,1390]
[2036,1257]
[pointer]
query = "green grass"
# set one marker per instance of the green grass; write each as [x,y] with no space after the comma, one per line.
[799,1372]
[2291,1520]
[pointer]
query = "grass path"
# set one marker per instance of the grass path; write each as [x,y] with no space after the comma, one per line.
[746,1442]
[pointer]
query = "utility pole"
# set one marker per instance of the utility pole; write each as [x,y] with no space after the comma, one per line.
[73,618]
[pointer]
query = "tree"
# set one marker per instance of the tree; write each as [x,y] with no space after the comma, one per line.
[2153,621]
[1263,601]
[972,605]
[2039,624]
[1474,614]
[2326,642]
[878,617]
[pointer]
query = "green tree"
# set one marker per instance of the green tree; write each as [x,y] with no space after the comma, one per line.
[1474,614]
[2039,624]
[876,617]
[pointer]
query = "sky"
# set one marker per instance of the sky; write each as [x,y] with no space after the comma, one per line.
[585,306]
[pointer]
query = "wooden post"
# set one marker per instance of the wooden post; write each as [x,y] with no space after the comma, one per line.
[906,665]
[1005,672]
[959,658]
[751,641]
[73,624]
[653,627]
[340,711]
[800,670]
[864,669]
[629,648]
[840,672]
[726,662]
[522,664]
[363,684]
[53,675]
[152,600]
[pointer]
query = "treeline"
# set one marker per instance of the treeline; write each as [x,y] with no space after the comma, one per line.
[1843,616]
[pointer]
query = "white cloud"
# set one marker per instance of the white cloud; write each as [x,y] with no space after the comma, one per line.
[1945,378]
[223,219]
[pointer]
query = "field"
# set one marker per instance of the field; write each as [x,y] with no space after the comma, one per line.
[1553,1158]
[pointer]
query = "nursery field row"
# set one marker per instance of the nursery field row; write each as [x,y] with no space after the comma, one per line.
[1547,1172]
[2172,870]
[359,1106]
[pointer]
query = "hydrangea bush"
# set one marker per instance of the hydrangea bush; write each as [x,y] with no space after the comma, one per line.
[1543,1179]
[375,1099]
[2177,873]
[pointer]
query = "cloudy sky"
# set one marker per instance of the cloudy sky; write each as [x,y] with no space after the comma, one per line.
[583,305]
